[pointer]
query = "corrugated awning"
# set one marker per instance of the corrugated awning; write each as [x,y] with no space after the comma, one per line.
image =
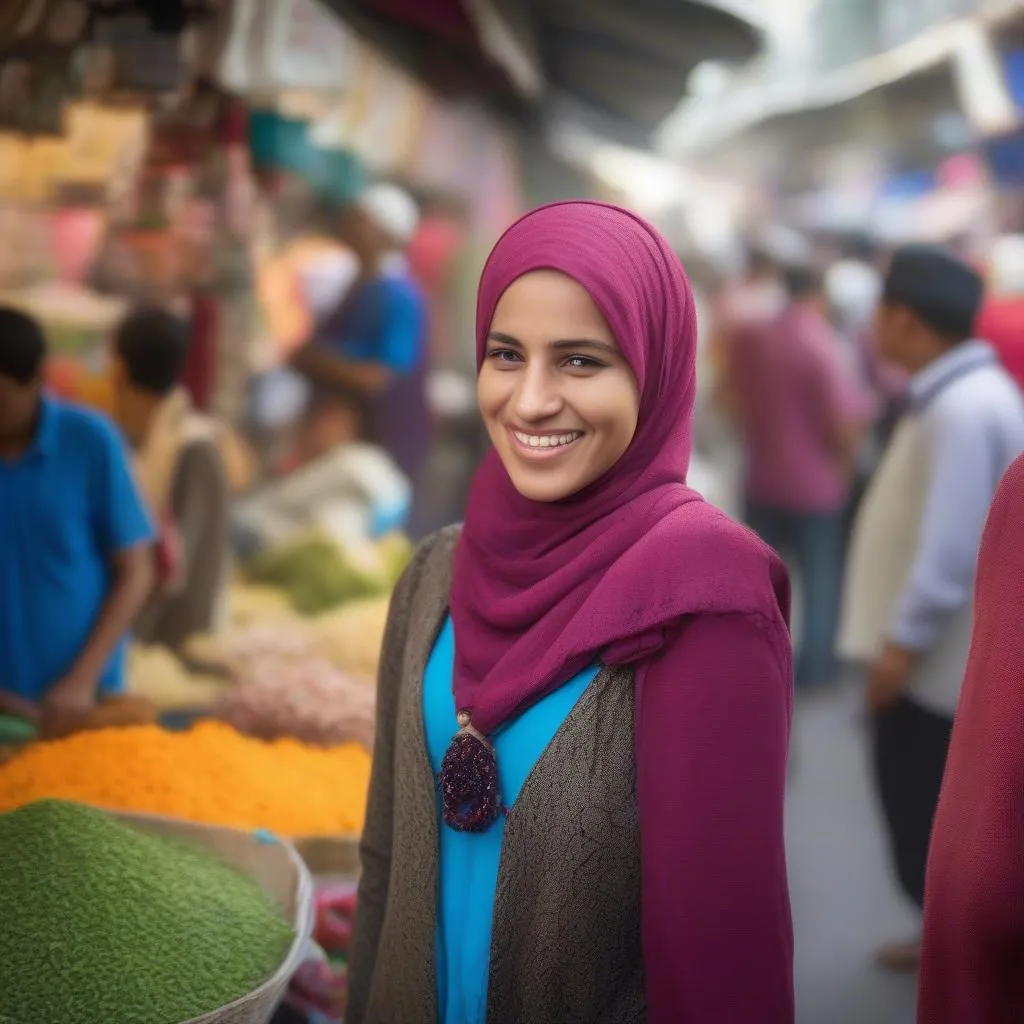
[629,63]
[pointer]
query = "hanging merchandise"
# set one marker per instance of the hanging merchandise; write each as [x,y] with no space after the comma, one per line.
[15,86]
[166,17]
[13,13]
[25,257]
[279,142]
[499,198]
[447,147]
[100,139]
[340,125]
[12,157]
[381,132]
[32,95]
[66,23]
[237,70]
[144,59]
[34,26]
[412,120]
[77,232]
[277,45]
[306,47]
[49,93]
[40,169]
[45,169]
[344,176]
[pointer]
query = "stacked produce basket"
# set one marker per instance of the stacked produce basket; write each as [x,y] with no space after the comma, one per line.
[280,872]
[261,878]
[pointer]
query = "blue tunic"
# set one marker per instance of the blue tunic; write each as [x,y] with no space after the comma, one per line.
[469,861]
[386,323]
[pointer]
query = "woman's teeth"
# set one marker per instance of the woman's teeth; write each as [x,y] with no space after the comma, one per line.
[547,440]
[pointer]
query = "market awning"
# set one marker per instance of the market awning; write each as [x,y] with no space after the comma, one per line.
[914,121]
[768,93]
[632,61]
[627,62]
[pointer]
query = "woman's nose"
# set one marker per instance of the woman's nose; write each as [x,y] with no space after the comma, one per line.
[537,396]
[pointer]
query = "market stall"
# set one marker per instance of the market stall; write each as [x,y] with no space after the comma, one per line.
[262,725]
[162,188]
[115,188]
[265,728]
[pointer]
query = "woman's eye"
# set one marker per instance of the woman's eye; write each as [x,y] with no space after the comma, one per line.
[582,363]
[503,355]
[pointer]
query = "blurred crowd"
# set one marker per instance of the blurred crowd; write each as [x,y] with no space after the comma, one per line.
[171,477]
[875,398]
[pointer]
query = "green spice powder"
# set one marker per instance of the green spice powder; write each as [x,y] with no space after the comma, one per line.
[101,922]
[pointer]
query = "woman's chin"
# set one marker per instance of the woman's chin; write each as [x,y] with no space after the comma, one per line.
[546,487]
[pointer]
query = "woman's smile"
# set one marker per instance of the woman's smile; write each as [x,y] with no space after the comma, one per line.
[541,446]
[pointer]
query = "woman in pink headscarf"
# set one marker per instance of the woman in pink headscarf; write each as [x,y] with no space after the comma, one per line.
[576,811]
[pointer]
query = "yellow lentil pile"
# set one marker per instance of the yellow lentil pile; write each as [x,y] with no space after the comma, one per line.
[210,775]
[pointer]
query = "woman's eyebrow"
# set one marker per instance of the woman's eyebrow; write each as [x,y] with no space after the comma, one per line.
[504,339]
[586,343]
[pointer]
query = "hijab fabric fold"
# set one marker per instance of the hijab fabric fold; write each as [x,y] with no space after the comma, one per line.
[542,590]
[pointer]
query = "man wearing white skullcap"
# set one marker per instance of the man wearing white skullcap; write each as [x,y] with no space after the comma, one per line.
[370,352]
[392,212]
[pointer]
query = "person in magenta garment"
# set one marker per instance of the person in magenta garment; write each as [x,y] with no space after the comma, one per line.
[973,906]
[802,417]
[584,704]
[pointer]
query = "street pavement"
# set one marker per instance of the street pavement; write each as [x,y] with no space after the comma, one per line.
[845,901]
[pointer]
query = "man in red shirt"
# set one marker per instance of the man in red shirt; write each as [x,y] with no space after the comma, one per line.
[1001,321]
[801,416]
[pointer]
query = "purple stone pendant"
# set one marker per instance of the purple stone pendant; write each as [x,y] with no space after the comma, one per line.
[469,781]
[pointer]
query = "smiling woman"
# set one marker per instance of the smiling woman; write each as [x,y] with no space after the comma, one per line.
[558,398]
[612,656]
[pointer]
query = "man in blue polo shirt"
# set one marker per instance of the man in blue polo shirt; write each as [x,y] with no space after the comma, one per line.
[76,562]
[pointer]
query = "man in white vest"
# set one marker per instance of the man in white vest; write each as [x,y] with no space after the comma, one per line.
[910,576]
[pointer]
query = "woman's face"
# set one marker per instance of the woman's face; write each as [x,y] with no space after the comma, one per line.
[558,398]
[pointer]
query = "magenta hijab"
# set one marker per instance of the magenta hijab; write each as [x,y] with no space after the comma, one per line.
[542,590]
